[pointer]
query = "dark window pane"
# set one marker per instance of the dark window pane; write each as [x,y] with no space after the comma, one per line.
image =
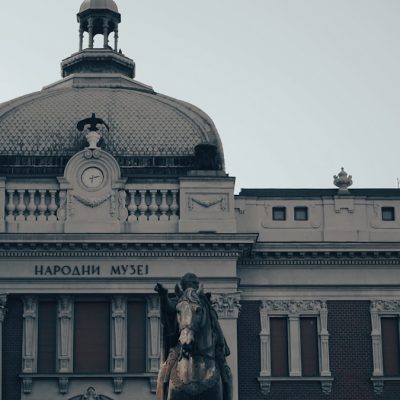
[279,213]
[92,337]
[390,346]
[388,213]
[309,346]
[47,336]
[301,213]
[279,347]
[136,337]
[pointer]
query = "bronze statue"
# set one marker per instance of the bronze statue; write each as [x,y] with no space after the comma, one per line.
[195,349]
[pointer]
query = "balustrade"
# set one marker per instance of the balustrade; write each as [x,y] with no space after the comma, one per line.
[31,205]
[137,204]
[147,205]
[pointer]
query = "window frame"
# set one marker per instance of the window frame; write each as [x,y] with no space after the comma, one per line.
[279,209]
[390,209]
[381,309]
[294,310]
[303,208]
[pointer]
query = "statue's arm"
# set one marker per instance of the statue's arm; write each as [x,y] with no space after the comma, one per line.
[167,305]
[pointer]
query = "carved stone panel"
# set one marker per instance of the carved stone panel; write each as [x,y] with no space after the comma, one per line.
[30,331]
[65,331]
[119,333]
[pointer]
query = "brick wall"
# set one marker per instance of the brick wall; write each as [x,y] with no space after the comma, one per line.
[12,350]
[351,363]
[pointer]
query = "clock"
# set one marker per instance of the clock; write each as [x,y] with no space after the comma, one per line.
[92,177]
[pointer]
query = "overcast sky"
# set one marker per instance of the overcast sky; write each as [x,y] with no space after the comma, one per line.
[296,88]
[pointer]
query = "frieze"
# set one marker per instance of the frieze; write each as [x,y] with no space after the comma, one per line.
[294,306]
[385,306]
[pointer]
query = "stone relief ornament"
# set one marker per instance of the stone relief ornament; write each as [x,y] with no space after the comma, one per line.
[343,181]
[226,304]
[91,394]
[385,306]
[93,202]
[207,203]
[62,209]
[294,306]
[92,124]
[122,210]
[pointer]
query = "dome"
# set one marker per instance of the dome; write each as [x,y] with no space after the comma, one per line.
[38,132]
[98,5]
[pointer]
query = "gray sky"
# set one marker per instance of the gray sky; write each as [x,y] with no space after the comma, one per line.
[296,88]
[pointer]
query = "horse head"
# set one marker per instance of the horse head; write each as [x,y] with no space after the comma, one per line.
[192,316]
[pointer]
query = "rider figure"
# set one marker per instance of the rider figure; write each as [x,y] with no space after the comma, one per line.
[171,336]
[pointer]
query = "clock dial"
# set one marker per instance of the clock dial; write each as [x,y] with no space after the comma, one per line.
[92,177]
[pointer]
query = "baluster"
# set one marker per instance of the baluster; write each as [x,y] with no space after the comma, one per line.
[52,206]
[153,207]
[10,206]
[164,206]
[21,207]
[42,207]
[132,207]
[142,206]
[31,206]
[174,205]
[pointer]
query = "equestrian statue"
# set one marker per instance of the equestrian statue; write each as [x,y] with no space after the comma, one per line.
[195,349]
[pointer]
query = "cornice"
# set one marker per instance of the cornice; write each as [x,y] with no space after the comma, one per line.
[322,258]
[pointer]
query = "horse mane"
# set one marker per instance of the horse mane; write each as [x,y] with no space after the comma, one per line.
[191,295]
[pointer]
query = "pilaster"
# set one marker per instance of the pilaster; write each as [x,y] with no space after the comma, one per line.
[2,204]
[119,333]
[154,327]
[3,301]
[227,307]
[65,330]
[30,332]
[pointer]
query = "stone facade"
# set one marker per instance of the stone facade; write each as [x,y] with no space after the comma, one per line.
[91,218]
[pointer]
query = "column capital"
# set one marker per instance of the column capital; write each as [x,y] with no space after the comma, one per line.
[226,304]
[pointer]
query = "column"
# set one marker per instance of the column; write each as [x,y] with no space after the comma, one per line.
[105,32]
[119,333]
[81,38]
[91,37]
[228,307]
[116,39]
[295,346]
[65,334]
[3,300]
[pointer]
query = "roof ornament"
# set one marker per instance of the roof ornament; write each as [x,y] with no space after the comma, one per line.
[93,137]
[343,181]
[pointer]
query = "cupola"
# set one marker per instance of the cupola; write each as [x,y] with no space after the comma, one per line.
[98,17]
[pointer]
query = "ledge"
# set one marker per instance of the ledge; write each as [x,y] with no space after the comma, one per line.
[64,379]
[379,382]
[266,381]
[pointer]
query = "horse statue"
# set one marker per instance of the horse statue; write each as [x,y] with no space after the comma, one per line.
[193,369]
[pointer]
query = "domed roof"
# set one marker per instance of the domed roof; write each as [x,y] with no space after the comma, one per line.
[98,5]
[141,125]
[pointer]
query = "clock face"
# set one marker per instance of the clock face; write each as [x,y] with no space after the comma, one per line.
[92,177]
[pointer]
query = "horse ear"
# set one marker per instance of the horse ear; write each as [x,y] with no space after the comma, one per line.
[200,290]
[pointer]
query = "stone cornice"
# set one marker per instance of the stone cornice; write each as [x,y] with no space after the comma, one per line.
[142,246]
[322,258]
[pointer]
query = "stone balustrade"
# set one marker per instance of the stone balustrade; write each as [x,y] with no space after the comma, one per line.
[44,205]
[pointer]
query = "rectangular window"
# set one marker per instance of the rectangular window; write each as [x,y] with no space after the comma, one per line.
[136,337]
[92,337]
[388,214]
[279,213]
[279,347]
[309,346]
[390,346]
[301,213]
[47,320]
